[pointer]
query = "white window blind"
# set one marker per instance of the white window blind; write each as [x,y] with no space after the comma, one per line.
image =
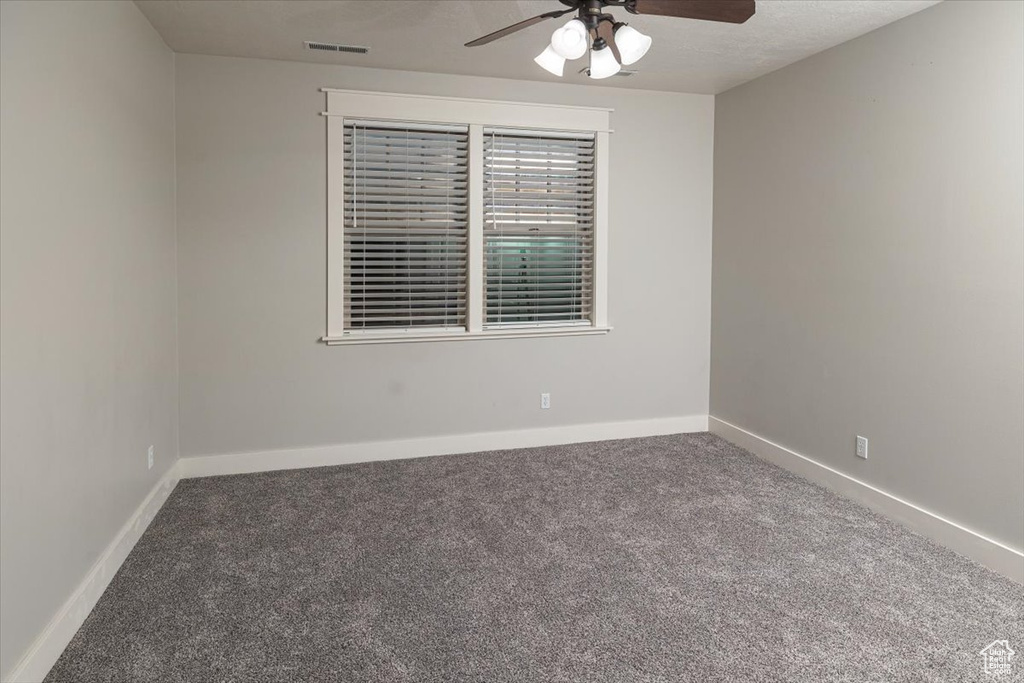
[538,228]
[405,232]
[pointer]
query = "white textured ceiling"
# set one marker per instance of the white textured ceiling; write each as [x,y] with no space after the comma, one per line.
[428,35]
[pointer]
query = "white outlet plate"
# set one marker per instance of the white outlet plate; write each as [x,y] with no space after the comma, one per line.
[545,401]
[149,457]
[862,447]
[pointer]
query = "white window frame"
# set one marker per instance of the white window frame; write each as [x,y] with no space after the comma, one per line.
[477,114]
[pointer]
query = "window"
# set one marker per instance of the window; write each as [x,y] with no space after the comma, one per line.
[464,219]
[405,226]
[538,228]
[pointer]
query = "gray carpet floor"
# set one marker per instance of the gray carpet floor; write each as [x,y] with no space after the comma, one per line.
[677,558]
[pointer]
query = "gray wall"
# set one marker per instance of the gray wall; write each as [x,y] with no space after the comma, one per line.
[251,220]
[868,260]
[87,280]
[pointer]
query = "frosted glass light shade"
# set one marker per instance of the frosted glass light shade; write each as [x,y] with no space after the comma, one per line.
[631,43]
[602,63]
[551,61]
[570,41]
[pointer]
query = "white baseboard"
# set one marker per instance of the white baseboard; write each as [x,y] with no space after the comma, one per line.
[342,454]
[996,556]
[44,651]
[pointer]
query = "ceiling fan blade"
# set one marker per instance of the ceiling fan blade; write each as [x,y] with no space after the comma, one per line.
[731,11]
[606,30]
[490,37]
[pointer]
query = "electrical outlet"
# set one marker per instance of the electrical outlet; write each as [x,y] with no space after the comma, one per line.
[545,401]
[149,457]
[862,447]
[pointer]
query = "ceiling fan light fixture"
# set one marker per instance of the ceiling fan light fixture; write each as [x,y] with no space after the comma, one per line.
[632,44]
[627,45]
[570,41]
[550,61]
[602,62]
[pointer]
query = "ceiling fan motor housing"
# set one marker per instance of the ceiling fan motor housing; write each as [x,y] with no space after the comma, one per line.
[589,10]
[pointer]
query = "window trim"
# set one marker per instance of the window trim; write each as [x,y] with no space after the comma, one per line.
[476,114]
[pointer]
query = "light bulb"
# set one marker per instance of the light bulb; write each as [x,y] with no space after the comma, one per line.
[602,62]
[570,41]
[551,61]
[631,43]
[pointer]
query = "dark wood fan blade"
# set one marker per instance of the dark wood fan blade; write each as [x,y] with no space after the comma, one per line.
[607,31]
[731,11]
[526,23]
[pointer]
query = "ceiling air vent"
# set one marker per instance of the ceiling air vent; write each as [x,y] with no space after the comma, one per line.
[335,47]
[624,73]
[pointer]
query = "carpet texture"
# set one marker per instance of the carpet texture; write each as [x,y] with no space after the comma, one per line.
[676,558]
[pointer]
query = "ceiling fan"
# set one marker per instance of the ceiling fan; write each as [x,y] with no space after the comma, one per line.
[613,44]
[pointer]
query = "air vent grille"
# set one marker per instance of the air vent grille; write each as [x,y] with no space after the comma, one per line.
[335,47]
[623,73]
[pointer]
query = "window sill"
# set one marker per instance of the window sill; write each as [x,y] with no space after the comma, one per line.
[408,338]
